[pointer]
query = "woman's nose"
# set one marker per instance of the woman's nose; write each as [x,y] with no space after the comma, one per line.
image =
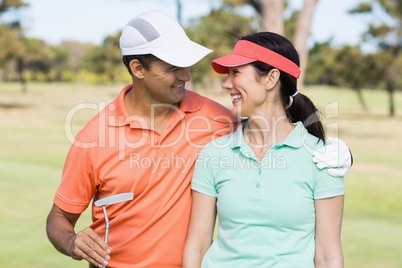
[227,84]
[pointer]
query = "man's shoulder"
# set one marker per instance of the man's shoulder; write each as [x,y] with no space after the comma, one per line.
[220,119]
[95,127]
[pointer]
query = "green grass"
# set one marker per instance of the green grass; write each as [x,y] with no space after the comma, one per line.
[371,242]
[27,193]
[33,146]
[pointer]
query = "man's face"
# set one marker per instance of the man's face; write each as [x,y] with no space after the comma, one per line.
[165,83]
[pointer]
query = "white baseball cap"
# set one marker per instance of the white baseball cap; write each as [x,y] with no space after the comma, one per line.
[158,34]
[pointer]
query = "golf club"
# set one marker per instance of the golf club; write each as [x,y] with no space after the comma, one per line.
[110,200]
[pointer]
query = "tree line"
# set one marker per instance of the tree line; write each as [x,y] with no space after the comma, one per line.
[26,59]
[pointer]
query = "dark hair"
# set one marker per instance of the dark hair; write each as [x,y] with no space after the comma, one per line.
[302,108]
[145,59]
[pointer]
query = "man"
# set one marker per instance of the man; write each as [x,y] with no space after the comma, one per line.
[146,142]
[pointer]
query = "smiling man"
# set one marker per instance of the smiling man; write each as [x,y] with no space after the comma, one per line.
[146,141]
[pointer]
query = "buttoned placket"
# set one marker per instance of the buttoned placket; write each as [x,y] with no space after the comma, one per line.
[246,151]
[256,167]
[176,118]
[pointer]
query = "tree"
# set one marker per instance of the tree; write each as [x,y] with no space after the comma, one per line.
[271,12]
[355,70]
[322,61]
[11,47]
[346,66]
[301,36]
[34,57]
[12,5]
[76,52]
[41,61]
[15,26]
[106,59]
[386,33]
[55,62]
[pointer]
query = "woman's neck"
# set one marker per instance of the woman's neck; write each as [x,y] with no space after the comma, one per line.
[267,129]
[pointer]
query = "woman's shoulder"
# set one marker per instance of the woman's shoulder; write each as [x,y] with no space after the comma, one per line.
[301,137]
[313,141]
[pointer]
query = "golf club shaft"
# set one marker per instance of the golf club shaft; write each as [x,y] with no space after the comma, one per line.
[107,225]
[110,200]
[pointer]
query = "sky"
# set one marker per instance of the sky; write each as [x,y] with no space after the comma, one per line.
[90,21]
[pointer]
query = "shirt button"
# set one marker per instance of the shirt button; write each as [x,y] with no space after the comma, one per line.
[259,172]
[258,185]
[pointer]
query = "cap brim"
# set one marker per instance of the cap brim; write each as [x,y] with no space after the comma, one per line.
[174,48]
[221,65]
[185,54]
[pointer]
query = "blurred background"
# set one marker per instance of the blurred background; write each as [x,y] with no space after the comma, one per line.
[60,62]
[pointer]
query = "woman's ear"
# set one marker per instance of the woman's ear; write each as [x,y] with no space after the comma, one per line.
[137,69]
[272,79]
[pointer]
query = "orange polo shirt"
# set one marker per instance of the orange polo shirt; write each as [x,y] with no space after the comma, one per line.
[117,153]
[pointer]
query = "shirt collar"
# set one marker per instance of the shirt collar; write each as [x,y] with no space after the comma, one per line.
[295,138]
[189,103]
[118,115]
[237,138]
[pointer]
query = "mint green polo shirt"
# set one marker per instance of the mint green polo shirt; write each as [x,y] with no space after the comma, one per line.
[266,210]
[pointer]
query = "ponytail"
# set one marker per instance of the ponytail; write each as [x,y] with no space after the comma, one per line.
[303,109]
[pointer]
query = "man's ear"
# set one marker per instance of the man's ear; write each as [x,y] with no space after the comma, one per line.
[137,69]
[272,79]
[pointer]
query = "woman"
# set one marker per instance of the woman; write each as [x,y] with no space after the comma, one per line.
[275,207]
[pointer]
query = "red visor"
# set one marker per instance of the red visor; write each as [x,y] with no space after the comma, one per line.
[246,52]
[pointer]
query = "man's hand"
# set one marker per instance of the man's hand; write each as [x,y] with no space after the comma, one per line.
[88,245]
[336,156]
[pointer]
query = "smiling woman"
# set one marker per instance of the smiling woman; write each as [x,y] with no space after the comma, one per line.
[284,215]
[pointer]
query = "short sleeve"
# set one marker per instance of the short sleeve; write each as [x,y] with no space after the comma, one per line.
[203,178]
[328,186]
[77,187]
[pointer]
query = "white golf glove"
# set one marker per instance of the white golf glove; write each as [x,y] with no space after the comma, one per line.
[336,156]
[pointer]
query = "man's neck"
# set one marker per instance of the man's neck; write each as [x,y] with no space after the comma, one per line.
[155,114]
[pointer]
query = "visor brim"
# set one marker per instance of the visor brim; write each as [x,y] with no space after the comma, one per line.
[221,65]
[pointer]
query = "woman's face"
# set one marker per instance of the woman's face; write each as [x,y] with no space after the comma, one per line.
[248,94]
